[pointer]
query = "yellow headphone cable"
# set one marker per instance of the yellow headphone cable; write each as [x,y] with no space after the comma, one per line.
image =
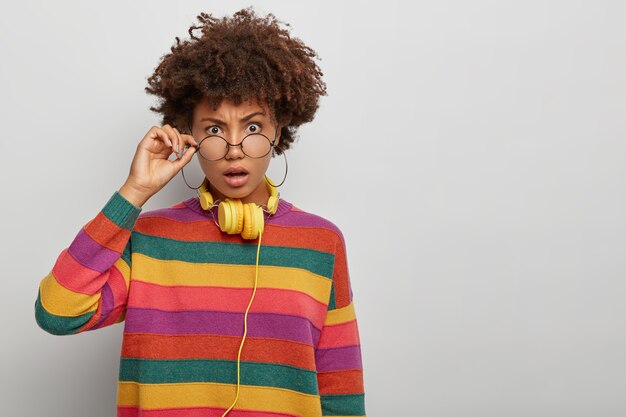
[245,322]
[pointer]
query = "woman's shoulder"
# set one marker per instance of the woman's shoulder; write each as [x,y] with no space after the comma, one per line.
[299,217]
[182,211]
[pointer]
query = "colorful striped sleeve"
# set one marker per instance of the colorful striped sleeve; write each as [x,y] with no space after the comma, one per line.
[338,352]
[88,284]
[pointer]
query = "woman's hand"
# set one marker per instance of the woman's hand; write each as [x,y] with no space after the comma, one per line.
[151,169]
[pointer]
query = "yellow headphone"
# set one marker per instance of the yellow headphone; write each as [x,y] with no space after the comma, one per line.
[235,217]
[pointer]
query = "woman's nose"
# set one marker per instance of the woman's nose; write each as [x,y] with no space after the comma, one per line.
[234,151]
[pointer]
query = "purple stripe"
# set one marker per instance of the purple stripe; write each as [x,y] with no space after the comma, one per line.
[91,254]
[336,359]
[300,218]
[278,326]
[284,216]
[284,207]
[106,300]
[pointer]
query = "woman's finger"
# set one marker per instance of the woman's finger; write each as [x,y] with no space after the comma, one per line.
[181,143]
[185,158]
[159,135]
[172,136]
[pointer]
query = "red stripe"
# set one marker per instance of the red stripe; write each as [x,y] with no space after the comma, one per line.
[338,335]
[255,349]
[316,238]
[341,382]
[178,298]
[76,277]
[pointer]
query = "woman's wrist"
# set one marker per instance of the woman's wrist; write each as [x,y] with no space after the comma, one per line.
[132,195]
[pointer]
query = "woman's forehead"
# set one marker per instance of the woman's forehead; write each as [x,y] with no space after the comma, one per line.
[227,109]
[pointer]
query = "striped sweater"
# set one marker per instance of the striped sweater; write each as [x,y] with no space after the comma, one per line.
[181,287]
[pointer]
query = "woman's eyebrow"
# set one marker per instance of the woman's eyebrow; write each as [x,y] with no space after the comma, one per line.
[243,119]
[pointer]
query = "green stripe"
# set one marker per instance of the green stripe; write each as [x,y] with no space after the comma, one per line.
[147,371]
[318,262]
[121,211]
[59,325]
[343,405]
[331,302]
[127,251]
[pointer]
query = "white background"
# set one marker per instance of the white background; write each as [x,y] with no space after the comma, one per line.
[472,153]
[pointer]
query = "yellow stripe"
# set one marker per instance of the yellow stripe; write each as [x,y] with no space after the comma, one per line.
[175,272]
[124,269]
[58,300]
[215,394]
[340,315]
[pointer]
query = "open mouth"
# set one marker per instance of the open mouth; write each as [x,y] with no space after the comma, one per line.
[236,176]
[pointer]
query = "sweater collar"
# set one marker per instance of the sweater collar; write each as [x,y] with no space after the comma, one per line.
[194,204]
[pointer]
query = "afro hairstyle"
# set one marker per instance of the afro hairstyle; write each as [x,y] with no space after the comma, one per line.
[245,57]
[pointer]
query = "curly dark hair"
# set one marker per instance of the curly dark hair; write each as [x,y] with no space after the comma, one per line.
[240,58]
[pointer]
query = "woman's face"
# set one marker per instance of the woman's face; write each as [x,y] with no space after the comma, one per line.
[233,123]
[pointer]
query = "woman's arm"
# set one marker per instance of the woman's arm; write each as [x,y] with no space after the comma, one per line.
[87,287]
[338,352]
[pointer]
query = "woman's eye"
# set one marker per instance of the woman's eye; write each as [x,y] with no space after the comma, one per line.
[255,127]
[214,130]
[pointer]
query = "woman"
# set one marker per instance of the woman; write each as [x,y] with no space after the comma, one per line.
[235,302]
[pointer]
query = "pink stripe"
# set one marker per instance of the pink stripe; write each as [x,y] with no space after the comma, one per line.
[339,335]
[118,286]
[106,305]
[76,277]
[272,300]
[126,411]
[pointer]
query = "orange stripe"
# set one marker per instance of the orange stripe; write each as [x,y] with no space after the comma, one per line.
[134,411]
[177,298]
[338,335]
[341,278]
[255,349]
[93,320]
[102,230]
[341,382]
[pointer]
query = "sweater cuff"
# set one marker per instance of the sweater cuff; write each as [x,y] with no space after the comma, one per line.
[121,211]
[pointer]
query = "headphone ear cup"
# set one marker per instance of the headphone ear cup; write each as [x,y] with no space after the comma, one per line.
[259,220]
[248,222]
[239,216]
[253,221]
[272,204]
[230,216]
[206,200]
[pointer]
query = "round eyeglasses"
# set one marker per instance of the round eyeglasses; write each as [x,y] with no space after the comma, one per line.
[215,147]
